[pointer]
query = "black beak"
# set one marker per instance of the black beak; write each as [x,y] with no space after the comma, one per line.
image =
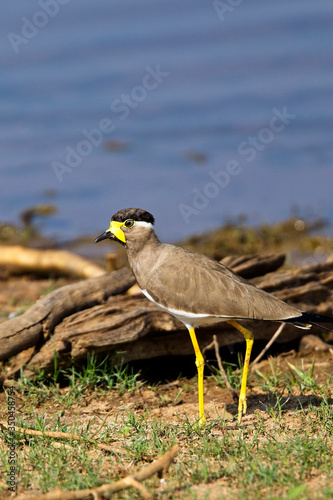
[104,236]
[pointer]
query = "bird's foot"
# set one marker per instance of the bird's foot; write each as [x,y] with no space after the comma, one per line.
[241,407]
[202,421]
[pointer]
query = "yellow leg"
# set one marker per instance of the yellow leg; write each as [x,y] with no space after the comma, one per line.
[249,343]
[199,361]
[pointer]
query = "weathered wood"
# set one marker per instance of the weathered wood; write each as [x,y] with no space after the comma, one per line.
[250,266]
[295,277]
[36,324]
[310,288]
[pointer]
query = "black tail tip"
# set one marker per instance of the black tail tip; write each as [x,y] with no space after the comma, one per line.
[314,318]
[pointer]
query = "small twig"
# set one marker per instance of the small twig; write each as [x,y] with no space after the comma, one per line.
[268,345]
[216,346]
[63,435]
[99,428]
[162,464]
[129,482]
[175,383]
[57,444]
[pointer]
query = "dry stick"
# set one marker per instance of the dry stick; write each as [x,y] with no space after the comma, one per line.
[162,464]
[268,345]
[99,428]
[216,346]
[58,434]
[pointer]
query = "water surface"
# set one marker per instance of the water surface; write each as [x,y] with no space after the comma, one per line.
[221,83]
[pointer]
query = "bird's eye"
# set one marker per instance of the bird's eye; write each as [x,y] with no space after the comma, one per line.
[129,223]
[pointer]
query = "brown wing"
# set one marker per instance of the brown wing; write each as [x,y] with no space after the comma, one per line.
[192,283]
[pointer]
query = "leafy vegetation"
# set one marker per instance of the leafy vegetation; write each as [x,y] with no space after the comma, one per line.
[300,233]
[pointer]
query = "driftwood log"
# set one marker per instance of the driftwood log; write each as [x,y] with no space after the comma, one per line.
[18,259]
[37,324]
[96,315]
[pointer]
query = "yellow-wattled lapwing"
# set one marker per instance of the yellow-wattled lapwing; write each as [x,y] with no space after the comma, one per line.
[196,289]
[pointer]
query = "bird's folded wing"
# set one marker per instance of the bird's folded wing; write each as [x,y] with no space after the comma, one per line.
[199,285]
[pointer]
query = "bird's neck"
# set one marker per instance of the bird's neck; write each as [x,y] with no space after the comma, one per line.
[142,251]
[142,255]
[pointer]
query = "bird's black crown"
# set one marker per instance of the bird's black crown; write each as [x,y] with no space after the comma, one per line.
[136,214]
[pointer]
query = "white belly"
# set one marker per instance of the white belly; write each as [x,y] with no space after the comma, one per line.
[189,319]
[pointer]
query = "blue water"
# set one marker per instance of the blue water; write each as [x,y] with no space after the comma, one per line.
[222,83]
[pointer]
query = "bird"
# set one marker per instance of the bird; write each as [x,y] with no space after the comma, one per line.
[198,290]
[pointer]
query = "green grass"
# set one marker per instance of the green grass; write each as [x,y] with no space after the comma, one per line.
[249,463]
[102,374]
[280,454]
[233,373]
